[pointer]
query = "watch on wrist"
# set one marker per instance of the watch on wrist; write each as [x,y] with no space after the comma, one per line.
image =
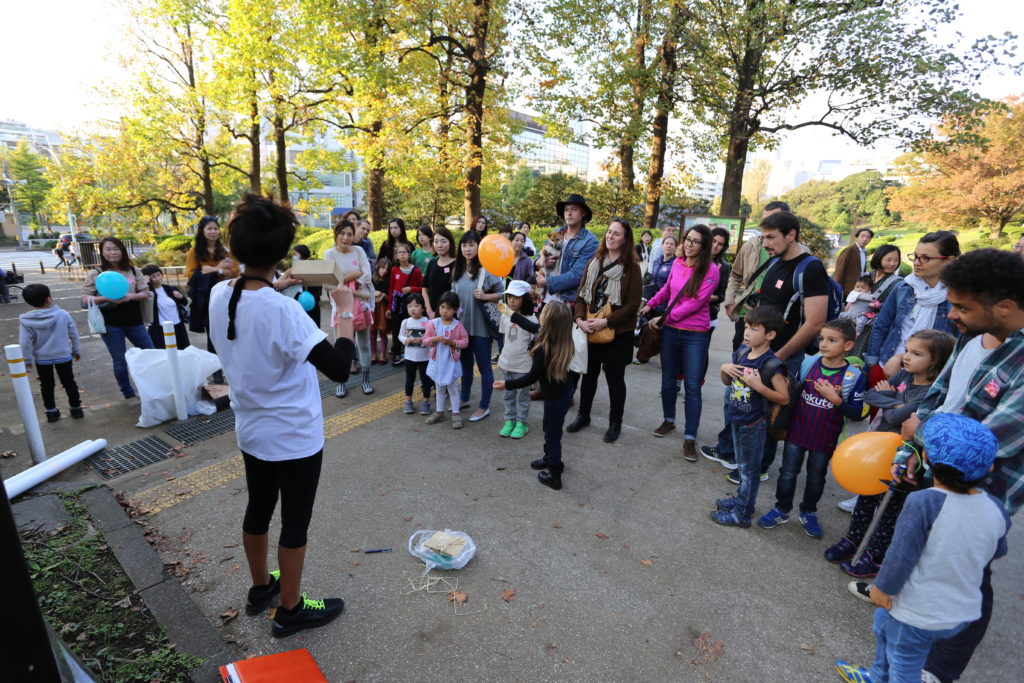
[347,315]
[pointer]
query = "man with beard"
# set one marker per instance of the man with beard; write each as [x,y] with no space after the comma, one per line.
[984,380]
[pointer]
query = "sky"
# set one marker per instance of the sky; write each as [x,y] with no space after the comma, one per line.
[57,52]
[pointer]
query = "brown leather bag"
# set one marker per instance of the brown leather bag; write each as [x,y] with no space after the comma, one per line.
[650,336]
[606,335]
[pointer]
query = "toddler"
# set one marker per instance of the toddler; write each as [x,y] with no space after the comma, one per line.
[411,335]
[518,325]
[446,337]
[858,303]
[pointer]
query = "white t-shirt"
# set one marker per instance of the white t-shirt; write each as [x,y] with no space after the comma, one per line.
[967,361]
[166,308]
[411,327]
[274,391]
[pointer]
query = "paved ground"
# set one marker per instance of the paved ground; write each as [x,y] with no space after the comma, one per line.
[616,577]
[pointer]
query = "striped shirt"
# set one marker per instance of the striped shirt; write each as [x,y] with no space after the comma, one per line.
[995,397]
[816,423]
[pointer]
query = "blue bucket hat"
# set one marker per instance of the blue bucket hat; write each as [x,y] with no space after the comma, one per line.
[960,442]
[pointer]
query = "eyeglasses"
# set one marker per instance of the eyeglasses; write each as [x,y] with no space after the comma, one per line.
[693,242]
[925,260]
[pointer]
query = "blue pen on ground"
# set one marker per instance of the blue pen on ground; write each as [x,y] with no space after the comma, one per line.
[382,550]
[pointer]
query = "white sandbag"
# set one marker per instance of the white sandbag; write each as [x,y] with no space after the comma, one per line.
[150,371]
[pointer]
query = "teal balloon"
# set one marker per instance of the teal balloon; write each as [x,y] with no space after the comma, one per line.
[307,301]
[112,285]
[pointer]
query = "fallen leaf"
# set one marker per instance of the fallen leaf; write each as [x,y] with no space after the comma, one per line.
[407,519]
[646,563]
[230,545]
[8,454]
[556,525]
[508,594]
[808,650]
[602,536]
[501,469]
[184,492]
[124,602]
[227,616]
[458,597]
[354,564]
[234,568]
[551,647]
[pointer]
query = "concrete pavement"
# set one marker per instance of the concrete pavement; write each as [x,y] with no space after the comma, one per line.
[619,576]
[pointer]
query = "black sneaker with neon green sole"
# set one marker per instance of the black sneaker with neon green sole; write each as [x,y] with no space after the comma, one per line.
[262,597]
[307,614]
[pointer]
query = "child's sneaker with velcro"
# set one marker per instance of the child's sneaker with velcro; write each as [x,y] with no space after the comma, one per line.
[726,503]
[306,614]
[852,674]
[865,567]
[262,597]
[841,551]
[773,518]
[520,430]
[506,429]
[730,518]
[812,528]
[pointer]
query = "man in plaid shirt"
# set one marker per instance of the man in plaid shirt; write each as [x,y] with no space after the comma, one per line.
[984,380]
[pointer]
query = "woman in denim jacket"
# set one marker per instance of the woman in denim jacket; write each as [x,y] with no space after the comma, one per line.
[918,303]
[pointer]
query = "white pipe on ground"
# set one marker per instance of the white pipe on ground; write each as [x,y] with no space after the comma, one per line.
[37,474]
[171,344]
[26,405]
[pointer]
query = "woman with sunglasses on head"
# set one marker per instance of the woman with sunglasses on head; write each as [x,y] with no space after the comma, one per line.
[917,303]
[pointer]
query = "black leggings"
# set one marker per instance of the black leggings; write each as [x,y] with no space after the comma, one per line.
[67,380]
[296,482]
[613,358]
[411,367]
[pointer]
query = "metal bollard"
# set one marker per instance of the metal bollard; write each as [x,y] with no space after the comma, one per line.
[26,405]
[171,344]
[42,268]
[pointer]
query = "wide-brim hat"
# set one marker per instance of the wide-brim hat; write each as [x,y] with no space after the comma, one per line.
[579,201]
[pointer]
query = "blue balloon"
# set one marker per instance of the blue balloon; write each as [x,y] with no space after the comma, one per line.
[307,301]
[112,285]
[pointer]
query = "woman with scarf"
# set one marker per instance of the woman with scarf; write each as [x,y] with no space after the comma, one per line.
[612,277]
[917,303]
[685,329]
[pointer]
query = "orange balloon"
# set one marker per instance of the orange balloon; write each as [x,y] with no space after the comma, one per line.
[861,464]
[496,255]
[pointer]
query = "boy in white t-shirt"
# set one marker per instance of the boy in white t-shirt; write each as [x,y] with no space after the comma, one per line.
[271,351]
[929,587]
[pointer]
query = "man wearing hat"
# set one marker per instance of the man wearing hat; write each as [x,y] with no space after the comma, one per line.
[578,246]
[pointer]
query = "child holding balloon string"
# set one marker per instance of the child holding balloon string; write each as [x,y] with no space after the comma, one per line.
[518,325]
[910,376]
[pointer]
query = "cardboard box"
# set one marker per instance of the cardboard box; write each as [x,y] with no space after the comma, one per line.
[317,273]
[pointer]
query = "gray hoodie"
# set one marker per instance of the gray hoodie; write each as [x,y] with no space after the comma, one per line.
[47,335]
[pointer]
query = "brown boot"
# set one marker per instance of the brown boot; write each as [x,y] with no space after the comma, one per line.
[690,450]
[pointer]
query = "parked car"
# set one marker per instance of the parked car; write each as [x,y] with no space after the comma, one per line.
[79,237]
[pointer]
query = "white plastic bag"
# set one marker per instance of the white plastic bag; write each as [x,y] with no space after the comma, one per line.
[579,359]
[433,560]
[95,315]
[151,373]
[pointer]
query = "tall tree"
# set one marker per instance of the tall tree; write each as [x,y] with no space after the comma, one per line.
[972,174]
[865,70]
[755,183]
[30,187]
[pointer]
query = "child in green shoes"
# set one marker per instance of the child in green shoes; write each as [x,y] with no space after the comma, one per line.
[519,325]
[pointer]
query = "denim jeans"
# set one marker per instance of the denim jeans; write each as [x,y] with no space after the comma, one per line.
[114,338]
[901,649]
[792,463]
[479,349]
[749,443]
[951,655]
[554,418]
[517,401]
[682,351]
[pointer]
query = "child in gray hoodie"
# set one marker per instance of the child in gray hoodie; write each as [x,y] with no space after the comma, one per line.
[49,338]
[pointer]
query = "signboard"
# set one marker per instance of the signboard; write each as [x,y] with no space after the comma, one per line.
[733,225]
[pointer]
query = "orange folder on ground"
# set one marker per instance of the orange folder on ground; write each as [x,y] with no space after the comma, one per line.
[294,666]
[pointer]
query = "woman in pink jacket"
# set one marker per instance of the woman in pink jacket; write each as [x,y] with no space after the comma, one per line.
[685,328]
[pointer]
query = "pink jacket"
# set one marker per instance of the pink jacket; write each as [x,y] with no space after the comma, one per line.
[458,333]
[688,313]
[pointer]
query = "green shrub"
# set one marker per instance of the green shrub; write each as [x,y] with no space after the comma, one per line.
[176,243]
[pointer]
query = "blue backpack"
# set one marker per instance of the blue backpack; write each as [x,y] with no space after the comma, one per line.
[836,301]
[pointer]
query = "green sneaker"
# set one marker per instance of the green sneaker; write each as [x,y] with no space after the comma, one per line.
[520,430]
[506,429]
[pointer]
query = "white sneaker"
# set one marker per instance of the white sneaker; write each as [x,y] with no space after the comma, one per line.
[861,589]
[929,677]
[848,504]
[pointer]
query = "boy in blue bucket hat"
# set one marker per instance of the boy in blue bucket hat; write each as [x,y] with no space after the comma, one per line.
[929,587]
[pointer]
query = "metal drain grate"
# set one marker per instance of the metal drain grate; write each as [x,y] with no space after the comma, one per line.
[203,427]
[114,462]
[355,379]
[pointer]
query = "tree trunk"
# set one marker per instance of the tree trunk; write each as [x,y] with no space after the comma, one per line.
[208,204]
[996,231]
[639,87]
[741,125]
[375,198]
[255,161]
[281,163]
[474,109]
[668,69]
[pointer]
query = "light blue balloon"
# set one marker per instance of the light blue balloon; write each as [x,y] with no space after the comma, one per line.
[307,301]
[112,285]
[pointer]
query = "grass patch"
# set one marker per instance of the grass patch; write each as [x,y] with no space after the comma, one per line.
[87,598]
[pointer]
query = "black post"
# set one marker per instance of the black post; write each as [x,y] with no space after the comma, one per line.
[42,269]
[14,267]
[27,655]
